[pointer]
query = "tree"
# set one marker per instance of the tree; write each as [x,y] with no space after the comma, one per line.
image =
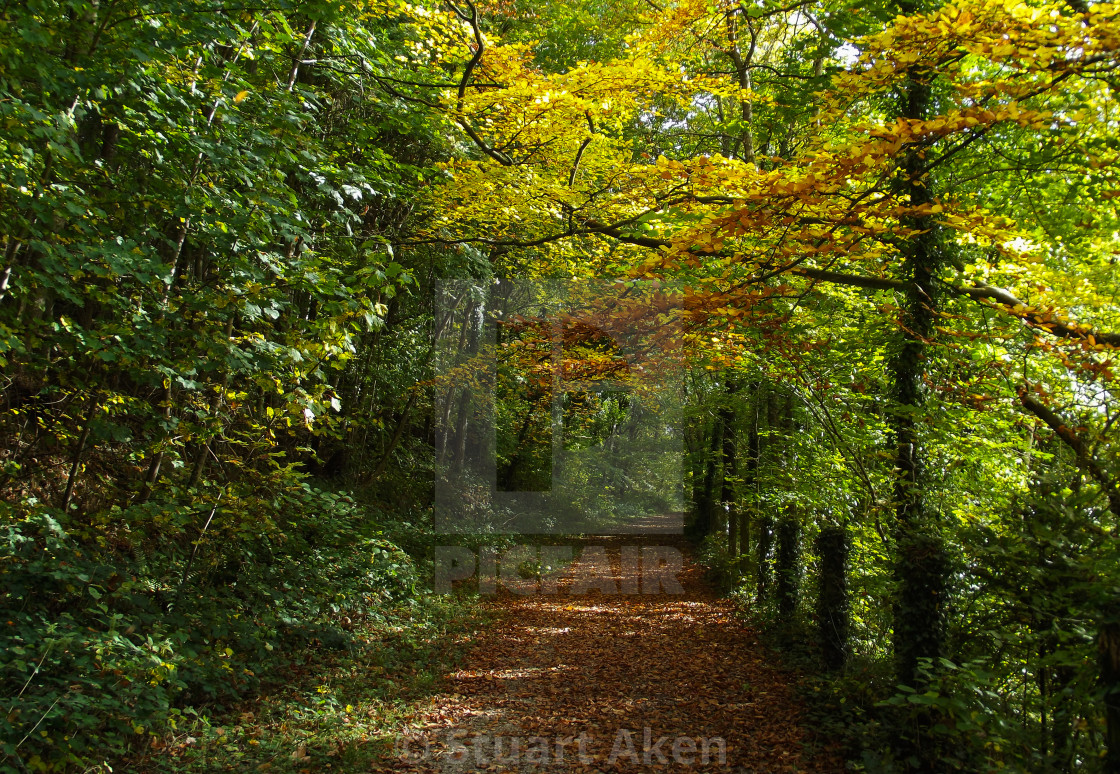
[651,166]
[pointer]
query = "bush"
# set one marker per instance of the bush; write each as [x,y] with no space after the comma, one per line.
[111,629]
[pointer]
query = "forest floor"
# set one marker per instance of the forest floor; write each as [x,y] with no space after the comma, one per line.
[582,680]
[577,680]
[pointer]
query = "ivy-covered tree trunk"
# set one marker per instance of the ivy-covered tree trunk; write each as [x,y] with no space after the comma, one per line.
[920,563]
[833,547]
[762,556]
[750,474]
[733,527]
[729,456]
[706,507]
[788,561]
[920,566]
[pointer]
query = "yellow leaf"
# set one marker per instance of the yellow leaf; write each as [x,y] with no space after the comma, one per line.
[241,95]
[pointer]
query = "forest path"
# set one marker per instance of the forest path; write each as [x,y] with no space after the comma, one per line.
[597,682]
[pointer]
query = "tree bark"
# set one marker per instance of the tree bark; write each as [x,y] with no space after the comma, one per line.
[729,455]
[707,505]
[833,547]
[79,450]
[762,556]
[919,570]
[788,561]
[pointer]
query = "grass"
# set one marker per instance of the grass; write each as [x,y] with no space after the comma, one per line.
[329,710]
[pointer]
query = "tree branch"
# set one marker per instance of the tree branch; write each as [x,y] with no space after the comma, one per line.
[1085,458]
[464,82]
[1004,299]
[981,291]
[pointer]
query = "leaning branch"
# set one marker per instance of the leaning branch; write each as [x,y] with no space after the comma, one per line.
[981,292]
[837,278]
[471,18]
[1036,319]
[1085,459]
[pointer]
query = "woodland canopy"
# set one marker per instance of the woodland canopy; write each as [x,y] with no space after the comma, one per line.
[247,253]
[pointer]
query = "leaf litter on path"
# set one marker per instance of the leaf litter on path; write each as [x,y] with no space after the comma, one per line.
[600,682]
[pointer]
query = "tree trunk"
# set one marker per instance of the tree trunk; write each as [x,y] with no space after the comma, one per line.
[705,509]
[152,476]
[398,433]
[833,546]
[727,510]
[76,462]
[750,478]
[762,556]
[788,568]
[920,565]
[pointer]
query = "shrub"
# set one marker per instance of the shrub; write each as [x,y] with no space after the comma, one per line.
[112,628]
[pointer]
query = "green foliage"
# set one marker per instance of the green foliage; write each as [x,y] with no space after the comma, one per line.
[969,723]
[200,210]
[216,283]
[341,708]
[787,565]
[102,646]
[714,555]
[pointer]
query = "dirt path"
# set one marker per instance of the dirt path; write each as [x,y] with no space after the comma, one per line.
[595,682]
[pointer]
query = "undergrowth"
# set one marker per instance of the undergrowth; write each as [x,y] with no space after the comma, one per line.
[139,629]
